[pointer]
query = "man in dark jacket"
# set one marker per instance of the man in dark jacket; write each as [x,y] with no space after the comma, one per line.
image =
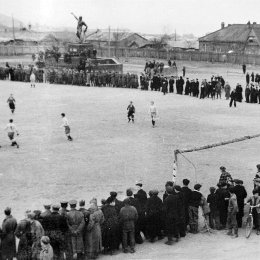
[128,216]
[171,83]
[241,194]
[8,238]
[141,196]
[135,203]
[55,227]
[153,216]
[171,215]
[194,204]
[187,192]
[223,196]
[181,226]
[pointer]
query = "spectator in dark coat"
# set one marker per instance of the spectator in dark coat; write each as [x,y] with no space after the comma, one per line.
[223,196]
[241,194]
[110,227]
[194,204]
[213,215]
[55,227]
[171,215]
[247,78]
[233,97]
[141,196]
[128,216]
[181,226]
[187,197]
[118,203]
[153,216]
[8,237]
[135,203]
[23,233]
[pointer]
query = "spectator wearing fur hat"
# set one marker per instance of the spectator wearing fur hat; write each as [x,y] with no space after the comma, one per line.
[118,203]
[153,216]
[194,204]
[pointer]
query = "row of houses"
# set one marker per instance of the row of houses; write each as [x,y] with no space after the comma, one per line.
[100,39]
[233,38]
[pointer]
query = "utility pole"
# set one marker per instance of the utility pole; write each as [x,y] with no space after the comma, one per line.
[109,41]
[13,35]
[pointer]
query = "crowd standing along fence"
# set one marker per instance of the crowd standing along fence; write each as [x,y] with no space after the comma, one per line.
[148,54]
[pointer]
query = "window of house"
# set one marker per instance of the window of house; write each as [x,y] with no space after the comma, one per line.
[251,39]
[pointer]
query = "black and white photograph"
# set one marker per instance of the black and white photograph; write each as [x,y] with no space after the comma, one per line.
[129,129]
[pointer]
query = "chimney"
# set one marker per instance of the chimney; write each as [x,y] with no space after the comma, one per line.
[222,25]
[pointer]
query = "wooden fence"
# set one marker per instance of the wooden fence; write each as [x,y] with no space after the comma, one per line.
[145,54]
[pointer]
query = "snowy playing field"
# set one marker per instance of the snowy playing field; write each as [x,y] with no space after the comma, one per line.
[108,153]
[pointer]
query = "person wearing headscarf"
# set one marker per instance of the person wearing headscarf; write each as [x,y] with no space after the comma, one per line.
[93,234]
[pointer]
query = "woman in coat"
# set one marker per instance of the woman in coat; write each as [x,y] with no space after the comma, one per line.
[110,227]
[93,234]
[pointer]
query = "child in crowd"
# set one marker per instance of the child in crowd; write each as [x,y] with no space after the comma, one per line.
[47,251]
[255,201]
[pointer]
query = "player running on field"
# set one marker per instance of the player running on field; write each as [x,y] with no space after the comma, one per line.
[153,112]
[12,131]
[11,102]
[131,112]
[65,124]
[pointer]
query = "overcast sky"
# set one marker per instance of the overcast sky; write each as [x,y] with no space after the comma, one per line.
[147,16]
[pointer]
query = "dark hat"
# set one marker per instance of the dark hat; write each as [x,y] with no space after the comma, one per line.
[72,202]
[223,168]
[197,186]
[139,183]
[82,203]
[212,188]
[129,192]
[236,181]
[110,200]
[178,188]
[56,206]
[185,181]
[113,194]
[126,201]
[169,183]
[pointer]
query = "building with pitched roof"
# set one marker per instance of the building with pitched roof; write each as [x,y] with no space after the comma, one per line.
[234,38]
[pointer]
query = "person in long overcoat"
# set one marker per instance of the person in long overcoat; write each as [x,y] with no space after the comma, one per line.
[93,235]
[171,216]
[227,90]
[76,224]
[37,232]
[23,233]
[55,227]
[153,211]
[110,227]
[8,237]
